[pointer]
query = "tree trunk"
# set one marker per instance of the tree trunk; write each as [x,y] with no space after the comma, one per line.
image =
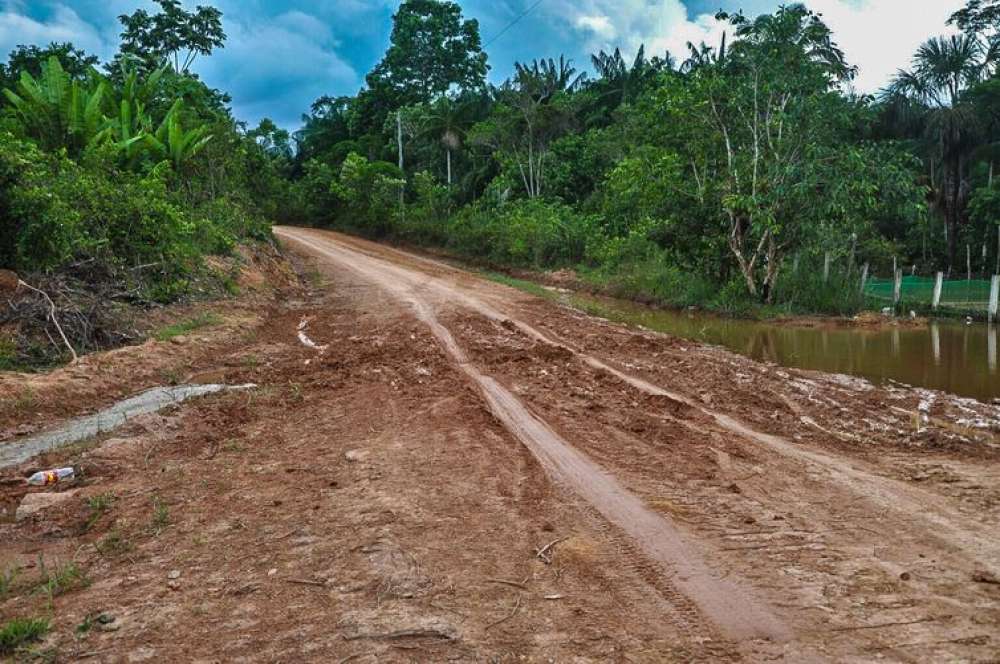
[449,168]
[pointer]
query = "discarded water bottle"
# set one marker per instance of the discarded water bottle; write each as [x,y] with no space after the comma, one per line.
[47,477]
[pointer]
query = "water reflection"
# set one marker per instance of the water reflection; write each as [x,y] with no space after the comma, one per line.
[953,357]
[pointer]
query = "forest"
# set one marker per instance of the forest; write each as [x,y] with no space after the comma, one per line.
[720,178]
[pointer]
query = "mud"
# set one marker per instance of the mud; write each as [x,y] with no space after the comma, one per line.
[456,471]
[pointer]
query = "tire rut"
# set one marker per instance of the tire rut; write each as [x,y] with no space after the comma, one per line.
[698,593]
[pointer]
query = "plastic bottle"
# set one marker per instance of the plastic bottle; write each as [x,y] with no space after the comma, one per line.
[46,477]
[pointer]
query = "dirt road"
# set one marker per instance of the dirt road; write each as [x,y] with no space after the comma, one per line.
[437,467]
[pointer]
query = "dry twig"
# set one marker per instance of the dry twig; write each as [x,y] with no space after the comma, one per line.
[517,605]
[52,316]
[543,553]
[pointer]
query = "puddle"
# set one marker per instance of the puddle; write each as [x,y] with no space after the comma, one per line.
[948,356]
[19,450]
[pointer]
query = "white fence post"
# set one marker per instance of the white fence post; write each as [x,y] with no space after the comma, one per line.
[994,294]
[938,283]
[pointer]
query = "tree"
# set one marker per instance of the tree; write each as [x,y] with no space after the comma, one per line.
[944,70]
[75,62]
[754,127]
[533,109]
[432,51]
[172,36]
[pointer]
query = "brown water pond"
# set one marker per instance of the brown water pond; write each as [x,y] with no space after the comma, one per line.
[949,356]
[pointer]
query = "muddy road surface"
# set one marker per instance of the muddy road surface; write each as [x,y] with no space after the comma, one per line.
[436,467]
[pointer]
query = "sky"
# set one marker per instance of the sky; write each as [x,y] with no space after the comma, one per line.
[282,54]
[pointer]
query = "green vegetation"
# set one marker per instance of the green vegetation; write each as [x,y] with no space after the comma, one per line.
[60,579]
[722,180]
[116,180]
[206,319]
[19,632]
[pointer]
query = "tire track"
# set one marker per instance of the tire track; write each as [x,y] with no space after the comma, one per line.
[886,493]
[727,603]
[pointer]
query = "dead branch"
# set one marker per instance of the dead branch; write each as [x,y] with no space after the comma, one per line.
[543,554]
[306,582]
[52,316]
[403,634]
[517,605]
[888,624]
[516,584]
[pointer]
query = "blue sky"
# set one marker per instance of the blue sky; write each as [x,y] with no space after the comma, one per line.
[280,56]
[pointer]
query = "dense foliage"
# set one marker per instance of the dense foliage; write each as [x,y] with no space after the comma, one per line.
[137,172]
[723,179]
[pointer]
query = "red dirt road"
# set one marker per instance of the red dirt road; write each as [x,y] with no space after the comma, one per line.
[439,468]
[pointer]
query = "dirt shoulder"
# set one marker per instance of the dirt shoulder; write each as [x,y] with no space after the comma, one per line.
[367,502]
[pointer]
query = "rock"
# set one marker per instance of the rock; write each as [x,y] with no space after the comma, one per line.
[34,504]
[355,456]
[179,340]
[905,576]
[174,574]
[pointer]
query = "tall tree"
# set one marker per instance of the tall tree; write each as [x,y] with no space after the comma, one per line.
[944,70]
[432,51]
[172,35]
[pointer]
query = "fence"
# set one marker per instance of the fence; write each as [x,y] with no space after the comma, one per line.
[971,295]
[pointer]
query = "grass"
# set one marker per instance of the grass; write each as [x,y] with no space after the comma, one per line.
[115,543]
[21,631]
[206,319]
[99,505]
[61,579]
[7,579]
[520,284]
[161,515]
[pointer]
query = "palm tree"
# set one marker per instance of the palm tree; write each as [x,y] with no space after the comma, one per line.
[944,69]
[447,120]
[621,83]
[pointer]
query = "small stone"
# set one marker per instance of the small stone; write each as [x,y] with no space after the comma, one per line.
[905,576]
[174,574]
[179,340]
[105,618]
[174,585]
[272,571]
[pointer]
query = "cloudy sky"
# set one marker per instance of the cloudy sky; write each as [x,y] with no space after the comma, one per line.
[282,54]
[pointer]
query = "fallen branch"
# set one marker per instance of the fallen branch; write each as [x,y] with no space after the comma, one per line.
[306,582]
[888,624]
[52,316]
[517,605]
[403,634]
[541,553]
[516,584]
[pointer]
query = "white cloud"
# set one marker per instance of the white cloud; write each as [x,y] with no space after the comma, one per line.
[881,36]
[64,25]
[659,24]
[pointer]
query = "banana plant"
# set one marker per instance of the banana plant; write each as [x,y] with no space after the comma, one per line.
[172,142]
[59,112]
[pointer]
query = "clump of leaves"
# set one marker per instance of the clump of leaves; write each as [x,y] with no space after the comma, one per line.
[20,632]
